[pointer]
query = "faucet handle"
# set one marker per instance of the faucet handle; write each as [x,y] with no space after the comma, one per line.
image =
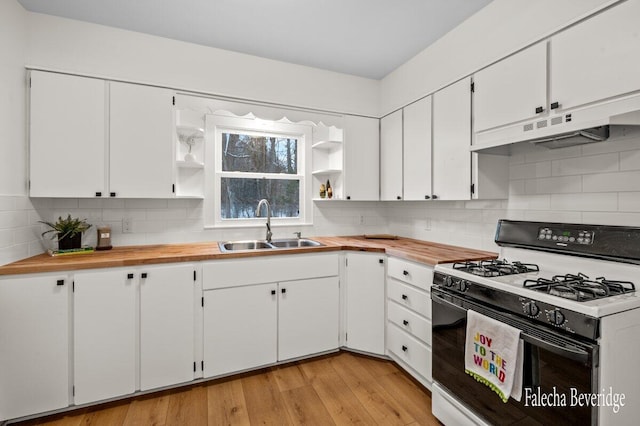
[298,234]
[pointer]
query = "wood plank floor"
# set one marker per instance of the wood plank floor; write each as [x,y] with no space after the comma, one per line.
[338,389]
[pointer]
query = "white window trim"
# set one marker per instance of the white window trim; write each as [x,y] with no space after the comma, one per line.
[218,124]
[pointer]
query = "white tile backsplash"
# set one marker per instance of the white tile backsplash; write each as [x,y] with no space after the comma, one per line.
[586,164]
[19,229]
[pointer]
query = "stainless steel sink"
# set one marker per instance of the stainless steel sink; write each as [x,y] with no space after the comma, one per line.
[294,242]
[251,245]
[245,245]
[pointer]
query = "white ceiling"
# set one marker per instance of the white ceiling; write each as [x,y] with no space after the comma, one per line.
[367,38]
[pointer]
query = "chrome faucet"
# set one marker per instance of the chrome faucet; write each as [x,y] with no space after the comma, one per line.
[266,202]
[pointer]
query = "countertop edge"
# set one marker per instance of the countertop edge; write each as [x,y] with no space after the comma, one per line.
[419,251]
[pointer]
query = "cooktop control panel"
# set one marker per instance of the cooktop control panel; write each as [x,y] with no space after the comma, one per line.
[566,236]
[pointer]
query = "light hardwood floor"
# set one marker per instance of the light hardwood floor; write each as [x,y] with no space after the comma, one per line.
[340,389]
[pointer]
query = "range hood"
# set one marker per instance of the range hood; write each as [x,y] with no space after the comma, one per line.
[569,127]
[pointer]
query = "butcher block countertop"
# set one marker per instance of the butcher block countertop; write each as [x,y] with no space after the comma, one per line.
[419,251]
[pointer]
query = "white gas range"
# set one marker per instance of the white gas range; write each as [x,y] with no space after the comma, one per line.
[570,288]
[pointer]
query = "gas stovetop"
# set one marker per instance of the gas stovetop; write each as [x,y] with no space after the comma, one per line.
[495,267]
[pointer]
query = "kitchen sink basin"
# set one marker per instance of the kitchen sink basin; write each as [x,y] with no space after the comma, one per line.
[251,245]
[245,245]
[294,242]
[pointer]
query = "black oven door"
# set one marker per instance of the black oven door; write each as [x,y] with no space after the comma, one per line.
[554,366]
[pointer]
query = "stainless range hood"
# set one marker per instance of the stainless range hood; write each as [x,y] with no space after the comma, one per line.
[563,128]
[577,137]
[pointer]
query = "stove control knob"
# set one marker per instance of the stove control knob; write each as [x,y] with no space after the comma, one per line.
[448,281]
[555,317]
[531,309]
[463,285]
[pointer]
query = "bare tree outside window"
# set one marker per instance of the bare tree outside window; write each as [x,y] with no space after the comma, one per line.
[273,157]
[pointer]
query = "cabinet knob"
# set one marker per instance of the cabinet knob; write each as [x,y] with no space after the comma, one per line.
[283,291]
[405,322]
[539,110]
[98,194]
[60,282]
[348,197]
[273,292]
[112,194]
[399,197]
[143,275]
[129,276]
[380,260]
[435,197]
[426,197]
[405,273]
[404,348]
[555,105]
[404,297]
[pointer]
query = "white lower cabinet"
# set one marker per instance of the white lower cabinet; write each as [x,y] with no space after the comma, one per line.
[259,311]
[308,314]
[240,325]
[104,324]
[409,317]
[167,325]
[34,344]
[365,302]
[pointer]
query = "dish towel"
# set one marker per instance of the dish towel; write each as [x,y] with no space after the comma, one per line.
[493,355]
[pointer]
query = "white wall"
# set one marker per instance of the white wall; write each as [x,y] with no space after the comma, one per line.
[497,30]
[86,48]
[19,235]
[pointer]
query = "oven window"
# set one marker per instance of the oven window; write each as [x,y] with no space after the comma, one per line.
[544,372]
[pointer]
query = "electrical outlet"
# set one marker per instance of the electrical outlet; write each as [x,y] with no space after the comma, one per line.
[427,224]
[127,225]
[361,220]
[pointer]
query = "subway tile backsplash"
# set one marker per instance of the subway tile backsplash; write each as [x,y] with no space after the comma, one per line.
[596,183]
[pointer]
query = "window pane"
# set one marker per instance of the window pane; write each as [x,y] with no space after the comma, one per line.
[259,154]
[240,197]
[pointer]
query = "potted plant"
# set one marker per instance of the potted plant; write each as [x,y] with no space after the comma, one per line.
[69,232]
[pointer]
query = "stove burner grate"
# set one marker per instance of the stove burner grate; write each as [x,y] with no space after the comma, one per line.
[580,287]
[495,267]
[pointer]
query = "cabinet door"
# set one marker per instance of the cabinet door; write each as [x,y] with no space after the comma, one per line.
[511,90]
[365,302]
[391,157]
[167,326]
[417,150]
[596,59]
[451,142]
[34,345]
[66,135]
[308,317]
[361,158]
[240,326]
[140,138]
[104,324]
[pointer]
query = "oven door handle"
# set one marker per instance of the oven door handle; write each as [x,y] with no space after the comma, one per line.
[564,349]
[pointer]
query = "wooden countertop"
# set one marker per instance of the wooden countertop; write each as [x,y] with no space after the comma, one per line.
[406,248]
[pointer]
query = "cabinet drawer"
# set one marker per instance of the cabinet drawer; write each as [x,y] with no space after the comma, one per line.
[412,323]
[267,269]
[409,349]
[411,273]
[409,297]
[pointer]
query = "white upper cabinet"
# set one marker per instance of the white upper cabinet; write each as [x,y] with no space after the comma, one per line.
[95,138]
[361,158]
[511,90]
[596,59]
[141,144]
[34,344]
[391,157]
[67,135]
[451,142]
[417,150]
